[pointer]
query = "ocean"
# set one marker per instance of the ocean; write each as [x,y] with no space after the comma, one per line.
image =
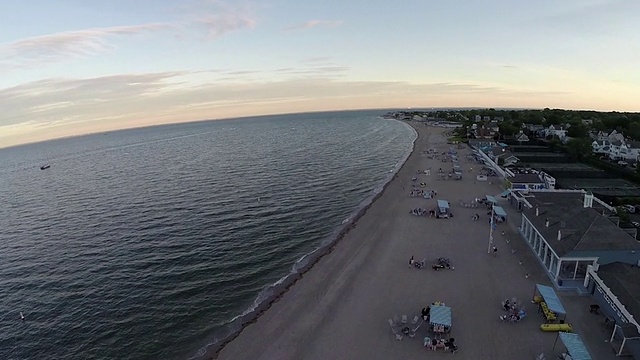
[158,242]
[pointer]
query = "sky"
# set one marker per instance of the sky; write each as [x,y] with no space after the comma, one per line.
[73,67]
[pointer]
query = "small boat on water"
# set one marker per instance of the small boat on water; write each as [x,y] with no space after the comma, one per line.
[45,167]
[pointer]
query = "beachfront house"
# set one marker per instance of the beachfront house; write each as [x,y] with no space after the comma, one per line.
[570,230]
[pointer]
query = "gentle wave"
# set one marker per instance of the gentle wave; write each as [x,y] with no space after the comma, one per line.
[151,243]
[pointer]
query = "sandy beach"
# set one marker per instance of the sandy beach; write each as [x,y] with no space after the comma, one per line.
[340,308]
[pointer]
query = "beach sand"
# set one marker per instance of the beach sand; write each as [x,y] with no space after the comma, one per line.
[340,308]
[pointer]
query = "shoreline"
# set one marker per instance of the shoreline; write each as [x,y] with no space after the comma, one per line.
[306,263]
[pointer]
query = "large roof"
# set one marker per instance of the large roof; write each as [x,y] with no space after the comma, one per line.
[526,179]
[580,228]
[622,279]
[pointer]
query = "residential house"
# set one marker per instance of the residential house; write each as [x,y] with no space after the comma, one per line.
[477,118]
[624,150]
[533,130]
[587,122]
[493,125]
[560,133]
[521,137]
[484,133]
[612,136]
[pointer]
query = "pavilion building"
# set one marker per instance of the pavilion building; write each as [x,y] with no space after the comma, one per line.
[567,233]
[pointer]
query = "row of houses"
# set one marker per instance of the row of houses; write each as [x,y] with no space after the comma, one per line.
[613,146]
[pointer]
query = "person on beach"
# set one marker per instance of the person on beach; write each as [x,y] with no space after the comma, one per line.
[426,313]
[411,261]
[495,251]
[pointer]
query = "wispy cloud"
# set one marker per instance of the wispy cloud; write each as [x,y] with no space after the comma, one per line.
[218,25]
[69,44]
[214,20]
[316,23]
[120,101]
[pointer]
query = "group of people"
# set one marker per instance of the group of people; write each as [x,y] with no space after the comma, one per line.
[416,264]
[420,212]
[514,314]
[448,344]
[427,194]
[442,263]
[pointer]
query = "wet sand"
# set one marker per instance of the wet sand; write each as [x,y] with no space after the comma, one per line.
[339,308]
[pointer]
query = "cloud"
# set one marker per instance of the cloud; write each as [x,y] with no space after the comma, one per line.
[47,101]
[124,100]
[316,23]
[64,45]
[218,25]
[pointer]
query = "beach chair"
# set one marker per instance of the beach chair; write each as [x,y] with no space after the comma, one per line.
[394,330]
[404,319]
[415,319]
[415,327]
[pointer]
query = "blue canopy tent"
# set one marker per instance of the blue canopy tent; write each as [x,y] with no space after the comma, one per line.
[491,199]
[440,315]
[505,193]
[499,211]
[443,208]
[574,345]
[551,299]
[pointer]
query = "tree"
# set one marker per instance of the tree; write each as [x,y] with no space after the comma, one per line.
[507,129]
[622,214]
[577,131]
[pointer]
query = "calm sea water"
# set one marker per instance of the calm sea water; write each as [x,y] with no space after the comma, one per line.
[147,243]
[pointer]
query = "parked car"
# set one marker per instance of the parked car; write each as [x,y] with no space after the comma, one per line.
[636,224]
[629,208]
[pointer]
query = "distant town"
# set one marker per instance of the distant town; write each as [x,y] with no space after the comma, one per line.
[594,151]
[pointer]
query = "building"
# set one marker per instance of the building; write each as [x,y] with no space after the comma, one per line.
[570,230]
[531,181]
[616,289]
[620,150]
[552,131]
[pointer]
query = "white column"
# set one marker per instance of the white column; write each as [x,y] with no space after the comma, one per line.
[544,259]
[558,268]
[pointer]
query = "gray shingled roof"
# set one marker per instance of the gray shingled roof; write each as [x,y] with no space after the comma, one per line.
[581,229]
[526,179]
[622,279]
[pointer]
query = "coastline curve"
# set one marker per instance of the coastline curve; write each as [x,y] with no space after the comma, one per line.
[273,292]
